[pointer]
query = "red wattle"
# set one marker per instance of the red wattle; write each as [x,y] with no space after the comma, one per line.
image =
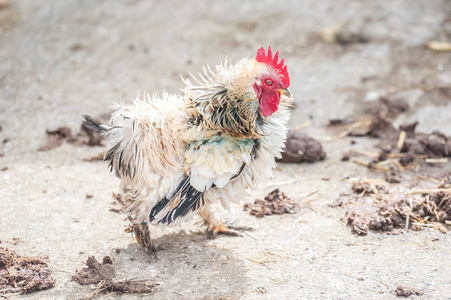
[269,103]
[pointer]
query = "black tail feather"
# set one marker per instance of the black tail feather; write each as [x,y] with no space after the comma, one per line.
[193,199]
[89,123]
[190,200]
[162,203]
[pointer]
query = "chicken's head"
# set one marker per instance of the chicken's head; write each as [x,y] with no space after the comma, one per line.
[272,82]
[238,97]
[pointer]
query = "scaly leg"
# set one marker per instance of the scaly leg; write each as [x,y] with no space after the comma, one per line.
[216,226]
[141,233]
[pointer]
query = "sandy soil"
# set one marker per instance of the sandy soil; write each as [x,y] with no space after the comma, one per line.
[62,59]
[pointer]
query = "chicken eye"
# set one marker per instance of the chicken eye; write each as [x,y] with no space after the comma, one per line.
[268,82]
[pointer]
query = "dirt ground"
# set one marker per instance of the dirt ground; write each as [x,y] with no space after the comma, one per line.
[62,59]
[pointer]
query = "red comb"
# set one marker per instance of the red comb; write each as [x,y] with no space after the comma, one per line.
[273,62]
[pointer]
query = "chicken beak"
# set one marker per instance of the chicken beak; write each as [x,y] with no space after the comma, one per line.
[285,92]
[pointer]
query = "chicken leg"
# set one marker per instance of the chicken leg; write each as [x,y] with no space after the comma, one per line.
[141,233]
[216,225]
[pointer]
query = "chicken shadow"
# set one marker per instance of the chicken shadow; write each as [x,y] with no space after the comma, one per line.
[187,266]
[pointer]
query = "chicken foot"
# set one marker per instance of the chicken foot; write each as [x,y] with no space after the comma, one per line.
[217,226]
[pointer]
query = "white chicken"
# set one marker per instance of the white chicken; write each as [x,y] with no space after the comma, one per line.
[177,154]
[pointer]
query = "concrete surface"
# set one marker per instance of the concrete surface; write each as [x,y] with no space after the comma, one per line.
[62,59]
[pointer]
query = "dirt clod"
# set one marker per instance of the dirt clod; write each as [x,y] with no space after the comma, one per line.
[19,274]
[103,274]
[299,148]
[358,225]
[63,135]
[393,178]
[407,159]
[402,147]
[386,107]
[382,128]
[433,145]
[57,137]
[402,291]
[364,187]
[387,214]
[395,106]
[275,202]
[95,272]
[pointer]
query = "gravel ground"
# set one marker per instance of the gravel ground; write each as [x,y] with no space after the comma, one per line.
[62,59]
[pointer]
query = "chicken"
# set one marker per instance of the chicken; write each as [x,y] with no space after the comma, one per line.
[178,154]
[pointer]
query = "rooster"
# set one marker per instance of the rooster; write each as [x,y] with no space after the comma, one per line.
[178,154]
